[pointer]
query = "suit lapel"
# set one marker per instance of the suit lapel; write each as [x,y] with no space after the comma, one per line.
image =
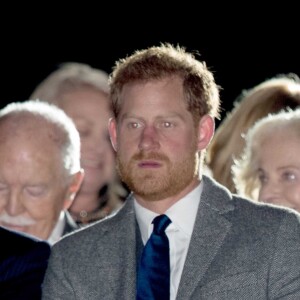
[123,276]
[210,230]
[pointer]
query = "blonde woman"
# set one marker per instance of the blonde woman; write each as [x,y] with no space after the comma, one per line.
[270,96]
[269,168]
[82,92]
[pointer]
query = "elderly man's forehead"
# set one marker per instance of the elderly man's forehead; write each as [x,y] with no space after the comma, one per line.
[27,124]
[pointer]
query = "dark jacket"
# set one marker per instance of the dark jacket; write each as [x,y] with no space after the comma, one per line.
[23,262]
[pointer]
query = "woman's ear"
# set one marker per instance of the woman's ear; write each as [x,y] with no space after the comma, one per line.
[206,129]
[112,129]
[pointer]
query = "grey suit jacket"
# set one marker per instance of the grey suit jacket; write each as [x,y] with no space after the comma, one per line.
[239,250]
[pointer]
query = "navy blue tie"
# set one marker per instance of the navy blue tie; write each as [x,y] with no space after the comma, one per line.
[153,280]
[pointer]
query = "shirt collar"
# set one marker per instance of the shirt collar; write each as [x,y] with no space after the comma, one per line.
[182,213]
[58,229]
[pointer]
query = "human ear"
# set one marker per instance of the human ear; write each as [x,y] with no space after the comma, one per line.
[74,187]
[112,129]
[206,129]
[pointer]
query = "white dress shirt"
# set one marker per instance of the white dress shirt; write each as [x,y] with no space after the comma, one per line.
[183,215]
[58,229]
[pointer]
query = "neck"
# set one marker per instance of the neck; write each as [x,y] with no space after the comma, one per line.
[89,207]
[85,201]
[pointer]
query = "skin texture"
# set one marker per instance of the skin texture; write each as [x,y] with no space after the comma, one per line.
[34,187]
[157,142]
[89,109]
[279,169]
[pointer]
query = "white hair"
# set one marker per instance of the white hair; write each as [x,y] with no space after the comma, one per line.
[244,167]
[59,120]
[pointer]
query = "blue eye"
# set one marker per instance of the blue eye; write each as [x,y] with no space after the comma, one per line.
[166,124]
[134,125]
[289,176]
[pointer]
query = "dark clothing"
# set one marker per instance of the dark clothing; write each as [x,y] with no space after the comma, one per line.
[23,262]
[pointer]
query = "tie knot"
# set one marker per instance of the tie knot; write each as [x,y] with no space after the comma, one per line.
[160,223]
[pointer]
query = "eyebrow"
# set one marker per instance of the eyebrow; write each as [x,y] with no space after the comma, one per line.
[169,116]
[289,167]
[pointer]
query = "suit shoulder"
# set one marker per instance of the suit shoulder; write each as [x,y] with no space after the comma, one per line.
[264,212]
[85,235]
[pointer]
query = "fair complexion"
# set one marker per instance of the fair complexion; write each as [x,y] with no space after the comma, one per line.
[90,112]
[157,142]
[279,169]
[34,187]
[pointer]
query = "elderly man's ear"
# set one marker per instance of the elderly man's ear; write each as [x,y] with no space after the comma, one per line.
[74,187]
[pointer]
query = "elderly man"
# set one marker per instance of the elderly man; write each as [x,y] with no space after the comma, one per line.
[39,169]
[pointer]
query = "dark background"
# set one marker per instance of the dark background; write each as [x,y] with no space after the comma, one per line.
[241,49]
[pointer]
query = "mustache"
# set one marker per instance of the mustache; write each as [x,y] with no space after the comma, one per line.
[149,156]
[16,221]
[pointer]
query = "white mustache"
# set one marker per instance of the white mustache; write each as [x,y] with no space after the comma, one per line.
[16,221]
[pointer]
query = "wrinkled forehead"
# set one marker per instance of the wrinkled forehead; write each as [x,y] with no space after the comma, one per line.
[31,127]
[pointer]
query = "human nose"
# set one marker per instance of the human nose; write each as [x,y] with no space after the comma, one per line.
[14,204]
[149,139]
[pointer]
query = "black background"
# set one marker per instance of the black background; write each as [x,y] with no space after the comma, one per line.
[242,45]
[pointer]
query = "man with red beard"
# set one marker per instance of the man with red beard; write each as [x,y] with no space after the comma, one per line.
[219,246]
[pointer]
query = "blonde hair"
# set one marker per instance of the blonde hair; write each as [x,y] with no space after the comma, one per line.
[73,77]
[271,96]
[245,168]
[68,77]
